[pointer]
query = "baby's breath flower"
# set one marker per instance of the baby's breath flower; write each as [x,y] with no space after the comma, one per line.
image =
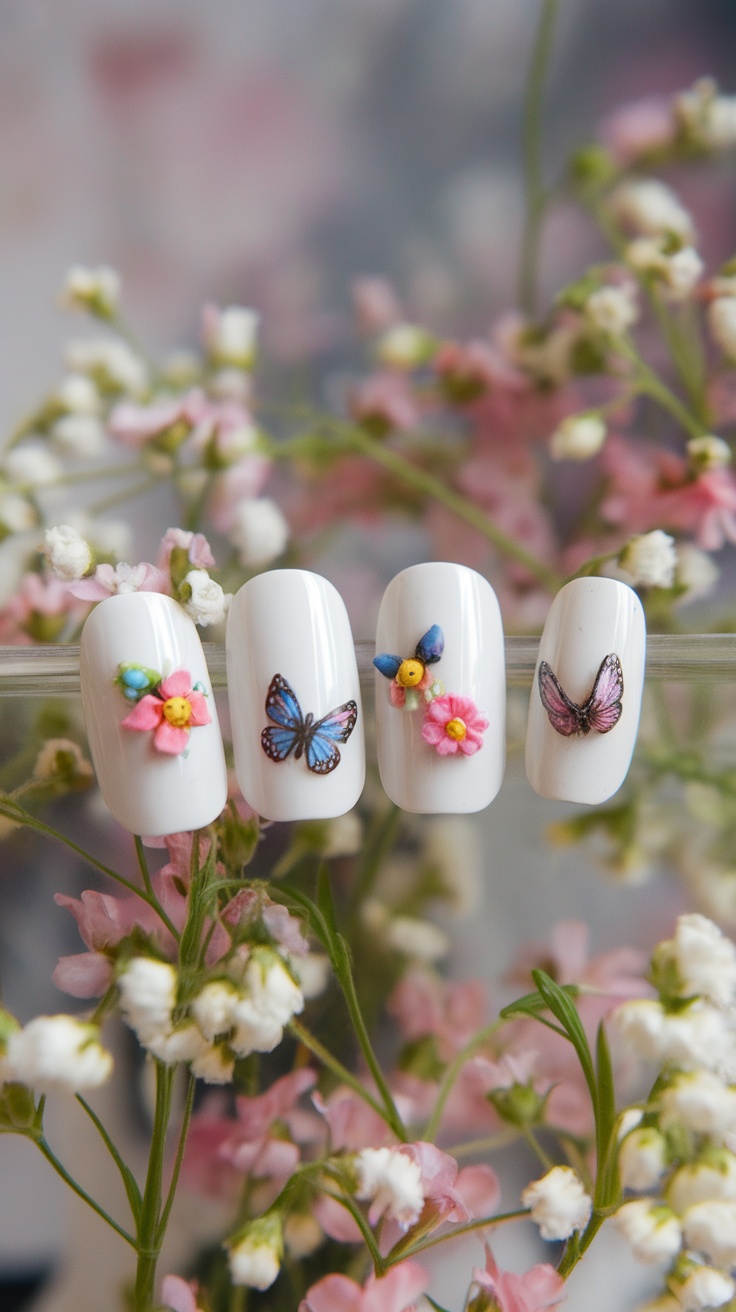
[703,1287]
[710,1229]
[184,1043]
[32,465]
[95,290]
[650,559]
[215,1065]
[642,1158]
[405,346]
[203,599]
[261,532]
[708,452]
[708,118]
[58,1052]
[230,335]
[705,960]
[392,1183]
[653,1232]
[148,996]
[67,552]
[578,437]
[77,395]
[78,435]
[60,758]
[270,998]
[651,208]
[558,1203]
[675,271]
[112,364]
[213,1007]
[710,1177]
[702,1102]
[612,310]
[255,1256]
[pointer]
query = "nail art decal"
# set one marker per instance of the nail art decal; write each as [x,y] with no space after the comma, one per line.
[600,711]
[412,683]
[303,735]
[171,707]
[447,755]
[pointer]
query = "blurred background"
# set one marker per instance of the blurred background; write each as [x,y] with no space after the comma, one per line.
[265,153]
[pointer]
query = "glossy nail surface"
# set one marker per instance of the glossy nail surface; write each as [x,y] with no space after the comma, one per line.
[440,690]
[586,697]
[294,697]
[150,714]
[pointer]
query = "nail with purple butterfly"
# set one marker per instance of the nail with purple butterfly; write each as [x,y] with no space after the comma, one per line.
[294,697]
[586,696]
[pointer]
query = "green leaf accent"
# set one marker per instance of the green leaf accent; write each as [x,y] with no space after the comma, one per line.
[533,1003]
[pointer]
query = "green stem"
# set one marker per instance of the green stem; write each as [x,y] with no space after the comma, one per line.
[652,385]
[433,1124]
[379,1262]
[489,1143]
[148,1242]
[332,1063]
[126,1175]
[146,876]
[456,1232]
[537,1148]
[347,984]
[187,1116]
[533,182]
[80,1192]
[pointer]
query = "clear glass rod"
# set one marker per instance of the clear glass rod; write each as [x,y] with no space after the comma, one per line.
[692,657]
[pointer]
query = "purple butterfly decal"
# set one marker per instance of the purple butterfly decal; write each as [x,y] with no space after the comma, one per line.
[600,711]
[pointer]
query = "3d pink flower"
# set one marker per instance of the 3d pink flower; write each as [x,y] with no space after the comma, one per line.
[171,710]
[454,724]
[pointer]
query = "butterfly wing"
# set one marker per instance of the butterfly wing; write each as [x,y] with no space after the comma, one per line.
[603,707]
[564,715]
[431,646]
[387,664]
[283,708]
[321,739]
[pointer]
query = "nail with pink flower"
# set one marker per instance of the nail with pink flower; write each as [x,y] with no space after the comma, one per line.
[412,682]
[169,707]
[453,724]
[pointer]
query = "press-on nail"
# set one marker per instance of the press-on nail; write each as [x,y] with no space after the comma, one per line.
[440,690]
[294,697]
[150,714]
[586,697]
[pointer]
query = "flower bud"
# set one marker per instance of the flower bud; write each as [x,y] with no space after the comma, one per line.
[67,552]
[58,1052]
[95,290]
[653,1232]
[558,1203]
[642,1158]
[578,438]
[255,1255]
[650,559]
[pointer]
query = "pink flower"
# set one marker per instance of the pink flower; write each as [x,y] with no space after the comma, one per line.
[180,1295]
[38,611]
[199,552]
[450,1195]
[423,1003]
[540,1288]
[134,425]
[108,581]
[384,401]
[639,128]
[171,712]
[394,1292]
[454,724]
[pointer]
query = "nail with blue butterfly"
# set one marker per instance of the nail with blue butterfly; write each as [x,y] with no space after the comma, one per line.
[413,683]
[294,734]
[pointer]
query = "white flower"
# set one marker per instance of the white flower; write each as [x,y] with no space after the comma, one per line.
[404,346]
[185,1043]
[96,290]
[612,310]
[392,1183]
[213,1008]
[701,1181]
[148,997]
[558,1202]
[708,452]
[113,364]
[256,1259]
[701,1101]
[722,324]
[704,1287]
[578,438]
[272,998]
[642,1158]
[58,1052]
[651,208]
[710,1229]
[77,395]
[67,552]
[313,973]
[650,559]
[32,465]
[61,756]
[215,1065]
[652,1231]
[676,271]
[416,938]
[230,335]
[696,572]
[628,1121]
[260,532]
[548,357]
[207,602]
[705,960]
[16,513]
[78,435]
[709,118]
[700,1036]
[343,836]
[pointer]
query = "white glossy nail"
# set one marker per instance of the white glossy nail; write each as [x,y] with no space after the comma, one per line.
[586,697]
[440,718]
[297,721]
[141,662]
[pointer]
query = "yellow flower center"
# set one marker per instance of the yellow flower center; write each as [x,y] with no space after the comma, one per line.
[177,710]
[410,673]
[456,729]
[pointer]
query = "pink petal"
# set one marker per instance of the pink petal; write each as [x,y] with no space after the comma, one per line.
[178,1294]
[178,684]
[148,714]
[449,746]
[397,1290]
[479,1190]
[169,739]
[200,714]
[84,975]
[432,733]
[336,1221]
[333,1294]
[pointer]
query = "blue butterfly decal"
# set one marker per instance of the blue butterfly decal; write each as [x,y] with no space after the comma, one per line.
[428,651]
[303,735]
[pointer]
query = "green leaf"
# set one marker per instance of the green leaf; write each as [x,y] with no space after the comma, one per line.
[532,1003]
[433,1303]
[605,1126]
[559,1003]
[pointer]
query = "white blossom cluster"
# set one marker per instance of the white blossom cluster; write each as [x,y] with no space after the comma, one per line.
[242,1010]
[391,1182]
[53,1054]
[678,1149]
